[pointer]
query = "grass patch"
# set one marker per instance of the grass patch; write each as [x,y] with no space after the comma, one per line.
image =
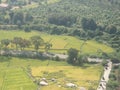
[13,77]
[16,79]
[84,77]
[60,43]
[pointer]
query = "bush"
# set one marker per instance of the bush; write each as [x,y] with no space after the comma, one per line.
[27,29]
[115,60]
[57,58]
[111,29]
[104,62]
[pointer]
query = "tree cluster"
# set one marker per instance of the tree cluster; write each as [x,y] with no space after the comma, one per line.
[15,18]
[62,19]
[74,58]
[21,43]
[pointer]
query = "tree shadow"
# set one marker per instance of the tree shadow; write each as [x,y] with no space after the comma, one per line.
[5,58]
[85,66]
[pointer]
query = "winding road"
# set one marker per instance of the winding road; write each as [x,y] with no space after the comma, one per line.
[105,77]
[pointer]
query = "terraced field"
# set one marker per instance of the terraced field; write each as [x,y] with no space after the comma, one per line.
[60,44]
[14,77]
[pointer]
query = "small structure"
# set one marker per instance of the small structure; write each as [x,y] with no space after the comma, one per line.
[82,88]
[53,79]
[43,83]
[15,7]
[97,60]
[4,6]
[71,85]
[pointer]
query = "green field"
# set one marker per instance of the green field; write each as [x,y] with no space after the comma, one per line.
[59,43]
[13,74]
[14,77]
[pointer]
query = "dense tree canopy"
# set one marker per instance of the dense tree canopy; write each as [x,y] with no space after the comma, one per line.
[89,24]
[72,55]
[62,19]
[37,41]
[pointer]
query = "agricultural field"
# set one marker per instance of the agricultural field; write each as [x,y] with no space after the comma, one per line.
[82,77]
[60,44]
[13,75]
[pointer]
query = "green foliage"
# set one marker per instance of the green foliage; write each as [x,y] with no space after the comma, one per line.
[60,44]
[18,18]
[74,59]
[112,85]
[62,19]
[81,60]
[72,56]
[104,62]
[27,29]
[20,42]
[47,46]
[115,57]
[113,77]
[111,29]
[5,42]
[89,24]
[37,41]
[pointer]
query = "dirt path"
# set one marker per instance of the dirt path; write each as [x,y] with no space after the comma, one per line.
[105,77]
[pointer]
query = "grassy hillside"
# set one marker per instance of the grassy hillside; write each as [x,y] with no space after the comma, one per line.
[14,77]
[60,43]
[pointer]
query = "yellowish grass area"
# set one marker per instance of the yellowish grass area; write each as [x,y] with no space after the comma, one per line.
[29,6]
[52,1]
[82,76]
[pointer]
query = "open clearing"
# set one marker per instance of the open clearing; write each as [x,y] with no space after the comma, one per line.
[60,44]
[14,77]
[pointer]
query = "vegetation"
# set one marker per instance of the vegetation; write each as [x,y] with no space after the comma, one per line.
[65,74]
[59,43]
[114,79]
[80,28]
[82,21]
[14,73]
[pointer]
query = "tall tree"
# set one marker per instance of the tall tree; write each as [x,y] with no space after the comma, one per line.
[37,41]
[111,29]
[72,55]
[47,46]
[18,17]
[24,43]
[89,24]
[5,42]
[16,41]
